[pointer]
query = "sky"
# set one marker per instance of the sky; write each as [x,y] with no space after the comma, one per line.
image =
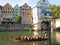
[31,3]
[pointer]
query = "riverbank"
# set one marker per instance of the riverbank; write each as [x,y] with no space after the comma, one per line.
[14,27]
[18,27]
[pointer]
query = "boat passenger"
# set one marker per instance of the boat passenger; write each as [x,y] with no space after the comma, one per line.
[39,37]
[36,37]
[30,38]
[27,38]
[22,37]
[45,34]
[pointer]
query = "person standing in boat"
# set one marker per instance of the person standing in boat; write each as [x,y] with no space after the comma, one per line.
[45,35]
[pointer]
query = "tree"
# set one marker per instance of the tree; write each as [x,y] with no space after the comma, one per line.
[18,19]
[55,11]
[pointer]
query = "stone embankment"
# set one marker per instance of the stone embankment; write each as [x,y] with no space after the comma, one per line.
[14,27]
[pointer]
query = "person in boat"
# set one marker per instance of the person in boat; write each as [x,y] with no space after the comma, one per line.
[27,38]
[30,37]
[22,37]
[37,37]
[45,34]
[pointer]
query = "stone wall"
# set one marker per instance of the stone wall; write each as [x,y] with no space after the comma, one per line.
[16,27]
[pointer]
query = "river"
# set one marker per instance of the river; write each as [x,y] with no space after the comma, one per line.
[5,38]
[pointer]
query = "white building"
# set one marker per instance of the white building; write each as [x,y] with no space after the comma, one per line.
[41,12]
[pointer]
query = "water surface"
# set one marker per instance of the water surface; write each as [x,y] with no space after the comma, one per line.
[54,38]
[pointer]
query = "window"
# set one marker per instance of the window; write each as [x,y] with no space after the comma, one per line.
[43,0]
[5,11]
[8,11]
[16,9]
[16,14]
[45,14]
[38,17]
[8,8]
[25,9]
[37,26]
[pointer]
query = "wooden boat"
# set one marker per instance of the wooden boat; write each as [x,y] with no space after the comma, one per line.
[35,38]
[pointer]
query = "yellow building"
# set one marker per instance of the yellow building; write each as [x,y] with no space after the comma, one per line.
[26,14]
[7,12]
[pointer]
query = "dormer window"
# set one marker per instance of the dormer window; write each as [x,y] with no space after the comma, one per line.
[43,0]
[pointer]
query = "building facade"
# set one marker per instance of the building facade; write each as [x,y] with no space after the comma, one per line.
[1,18]
[16,12]
[0,11]
[41,14]
[26,14]
[7,12]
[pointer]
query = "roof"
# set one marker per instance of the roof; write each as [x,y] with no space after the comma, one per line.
[25,4]
[16,6]
[7,4]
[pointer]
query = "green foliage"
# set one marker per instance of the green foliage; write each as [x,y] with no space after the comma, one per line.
[18,19]
[55,11]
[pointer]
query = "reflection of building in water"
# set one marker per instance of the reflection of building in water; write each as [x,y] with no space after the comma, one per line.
[40,43]
[57,37]
[35,33]
[34,43]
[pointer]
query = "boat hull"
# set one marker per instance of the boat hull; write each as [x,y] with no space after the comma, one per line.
[25,40]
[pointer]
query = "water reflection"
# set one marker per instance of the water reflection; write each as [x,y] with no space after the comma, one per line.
[40,43]
[58,37]
[35,33]
[35,43]
[54,37]
[49,33]
[42,33]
